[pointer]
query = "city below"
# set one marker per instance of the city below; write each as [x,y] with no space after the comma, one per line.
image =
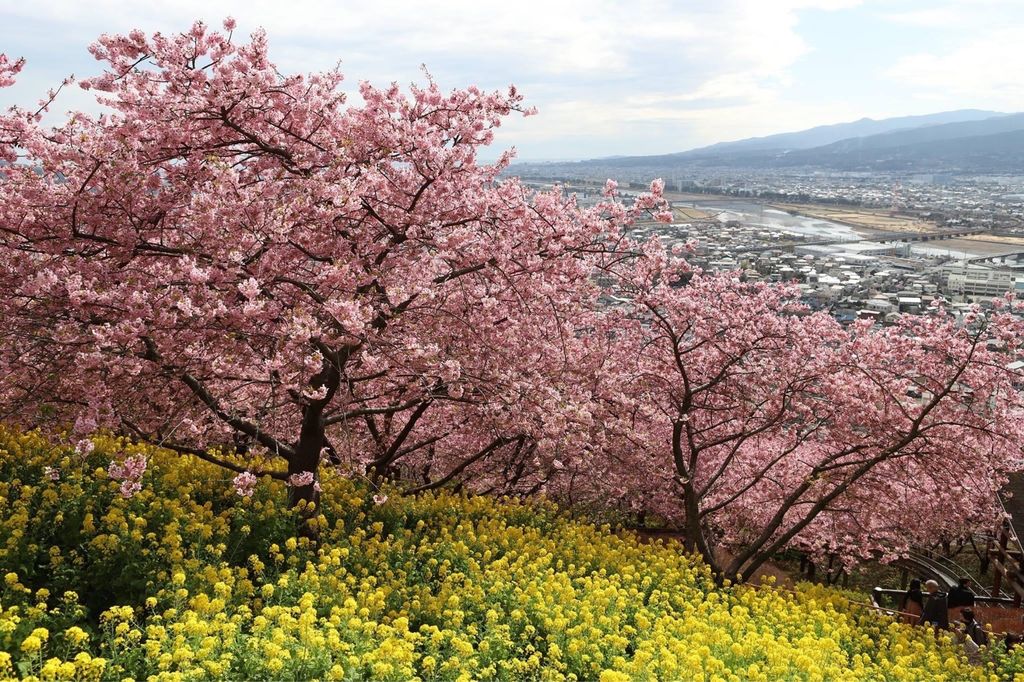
[859,245]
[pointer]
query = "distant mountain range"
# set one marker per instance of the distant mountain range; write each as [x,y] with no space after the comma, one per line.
[829,134]
[968,140]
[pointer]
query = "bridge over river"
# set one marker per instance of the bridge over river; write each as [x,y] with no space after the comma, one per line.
[1010,261]
[882,237]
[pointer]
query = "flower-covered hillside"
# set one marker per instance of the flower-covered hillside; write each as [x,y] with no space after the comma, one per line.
[188,579]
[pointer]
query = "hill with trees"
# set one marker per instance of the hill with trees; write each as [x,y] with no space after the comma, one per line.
[232,269]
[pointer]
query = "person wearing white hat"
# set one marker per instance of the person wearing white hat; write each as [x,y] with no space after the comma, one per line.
[935,612]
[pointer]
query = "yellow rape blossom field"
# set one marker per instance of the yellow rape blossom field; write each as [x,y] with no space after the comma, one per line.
[188,581]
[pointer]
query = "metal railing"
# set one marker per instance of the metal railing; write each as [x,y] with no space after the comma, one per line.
[950,571]
[879,595]
[935,569]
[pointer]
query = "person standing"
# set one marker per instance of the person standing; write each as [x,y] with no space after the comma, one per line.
[936,611]
[912,603]
[961,595]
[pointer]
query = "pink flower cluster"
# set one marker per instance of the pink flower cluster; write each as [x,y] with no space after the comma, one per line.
[245,484]
[301,479]
[129,471]
[9,69]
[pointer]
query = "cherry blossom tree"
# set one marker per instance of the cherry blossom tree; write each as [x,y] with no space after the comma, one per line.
[754,425]
[228,258]
[232,259]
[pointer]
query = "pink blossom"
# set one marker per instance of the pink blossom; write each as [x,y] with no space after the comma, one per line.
[380,499]
[129,489]
[51,473]
[249,288]
[315,394]
[129,471]
[85,424]
[8,70]
[301,479]
[244,484]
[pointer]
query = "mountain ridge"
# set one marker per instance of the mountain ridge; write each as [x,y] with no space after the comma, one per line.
[965,140]
[834,132]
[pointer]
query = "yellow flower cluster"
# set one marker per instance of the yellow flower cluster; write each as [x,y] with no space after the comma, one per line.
[188,581]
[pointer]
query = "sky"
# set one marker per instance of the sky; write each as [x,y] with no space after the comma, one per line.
[607,77]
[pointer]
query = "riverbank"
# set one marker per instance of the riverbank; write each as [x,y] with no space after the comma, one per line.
[867,218]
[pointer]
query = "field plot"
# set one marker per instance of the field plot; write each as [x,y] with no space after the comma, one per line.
[874,219]
[996,239]
[685,213]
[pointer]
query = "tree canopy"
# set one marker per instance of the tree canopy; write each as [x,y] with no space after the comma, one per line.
[228,258]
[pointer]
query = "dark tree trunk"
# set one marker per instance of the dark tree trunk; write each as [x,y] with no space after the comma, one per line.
[306,458]
[695,541]
[312,439]
[983,556]
[831,576]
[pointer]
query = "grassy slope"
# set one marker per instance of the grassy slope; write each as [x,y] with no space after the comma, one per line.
[188,581]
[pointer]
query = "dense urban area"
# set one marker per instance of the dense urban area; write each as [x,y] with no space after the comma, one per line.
[859,244]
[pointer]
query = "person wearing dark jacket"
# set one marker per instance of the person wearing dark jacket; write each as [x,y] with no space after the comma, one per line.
[973,628]
[961,595]
[936,612]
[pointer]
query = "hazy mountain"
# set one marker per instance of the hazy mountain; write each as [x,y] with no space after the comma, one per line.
[966,140]
[1001,152]
[827,134]
[931,133]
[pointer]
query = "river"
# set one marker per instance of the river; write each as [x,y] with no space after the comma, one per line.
[755,214]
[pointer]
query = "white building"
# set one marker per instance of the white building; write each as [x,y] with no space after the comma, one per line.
[977,280]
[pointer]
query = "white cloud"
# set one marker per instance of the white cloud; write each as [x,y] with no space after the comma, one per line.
[663,71]
[932,17]
[984,70]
